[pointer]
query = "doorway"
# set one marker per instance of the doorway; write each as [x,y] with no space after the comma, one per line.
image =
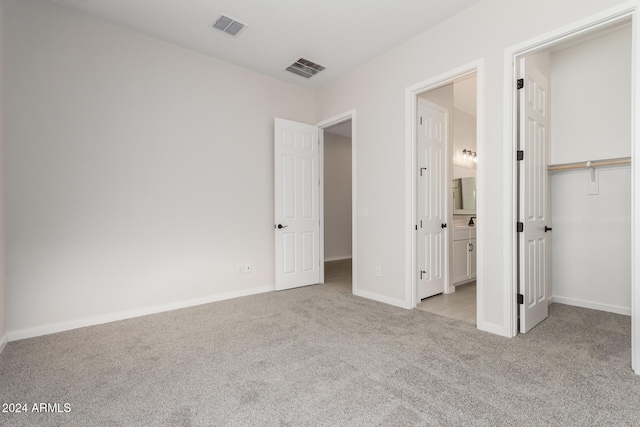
[412,95]
[338,221]
[342,135]
[596,27]
[299,197]
[576,201]
[454,294]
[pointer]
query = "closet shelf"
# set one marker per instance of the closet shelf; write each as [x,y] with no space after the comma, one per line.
[591,164]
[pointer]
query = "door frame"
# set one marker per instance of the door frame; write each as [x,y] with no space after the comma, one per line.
[332,121]
[411,108]
[623,12]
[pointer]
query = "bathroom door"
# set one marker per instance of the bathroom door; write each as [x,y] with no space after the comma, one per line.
[534,272]
[432,209]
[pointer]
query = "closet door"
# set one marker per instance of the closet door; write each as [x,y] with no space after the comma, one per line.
[534,242]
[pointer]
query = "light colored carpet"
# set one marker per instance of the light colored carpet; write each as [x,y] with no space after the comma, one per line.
[321,356]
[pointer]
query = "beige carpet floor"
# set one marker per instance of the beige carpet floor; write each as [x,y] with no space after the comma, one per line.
[320,356]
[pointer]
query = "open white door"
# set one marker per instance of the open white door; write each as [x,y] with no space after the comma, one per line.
[297,228]
[534,270]
[432,211]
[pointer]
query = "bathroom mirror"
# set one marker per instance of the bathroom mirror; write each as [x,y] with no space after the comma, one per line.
[464,196]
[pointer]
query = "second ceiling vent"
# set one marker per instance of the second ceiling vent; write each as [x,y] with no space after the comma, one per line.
[229,25]
[305,68]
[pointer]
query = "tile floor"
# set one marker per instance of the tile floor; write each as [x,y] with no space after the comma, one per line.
[459,305]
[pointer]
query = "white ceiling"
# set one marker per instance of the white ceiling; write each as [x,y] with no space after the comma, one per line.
[341,129]
[339,34]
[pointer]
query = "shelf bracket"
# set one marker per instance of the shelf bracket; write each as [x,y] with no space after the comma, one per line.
[593,185]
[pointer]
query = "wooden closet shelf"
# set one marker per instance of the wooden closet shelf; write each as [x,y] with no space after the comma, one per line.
[591,164]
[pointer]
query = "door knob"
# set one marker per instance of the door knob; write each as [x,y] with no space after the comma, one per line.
[280,226]
[547,228]
[443,225]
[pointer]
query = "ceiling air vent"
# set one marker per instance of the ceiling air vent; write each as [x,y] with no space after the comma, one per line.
[229,25]
[305,68]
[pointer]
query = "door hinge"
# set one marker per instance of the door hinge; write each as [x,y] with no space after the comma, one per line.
[520,227]
[520,299]
[421,120]
[416,227]
[520,84]
[520,155]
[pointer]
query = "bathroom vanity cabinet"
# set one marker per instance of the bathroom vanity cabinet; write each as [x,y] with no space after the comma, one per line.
[464,254]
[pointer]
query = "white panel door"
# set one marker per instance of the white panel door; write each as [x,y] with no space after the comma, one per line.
[297,211]
[432,209]
[534,270]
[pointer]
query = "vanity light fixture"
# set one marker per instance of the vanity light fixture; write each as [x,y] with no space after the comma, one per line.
[469,155]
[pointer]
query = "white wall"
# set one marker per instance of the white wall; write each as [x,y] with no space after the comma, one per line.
[337,197]
[464,138]
[3,307]
[139,174]
[377,91]
[464,126]
[597,74]
[591,244]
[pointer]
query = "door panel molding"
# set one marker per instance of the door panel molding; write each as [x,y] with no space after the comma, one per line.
[296,201]
[533,272]
[432,250]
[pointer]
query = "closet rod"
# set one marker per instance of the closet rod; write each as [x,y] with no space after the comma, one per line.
[585,165]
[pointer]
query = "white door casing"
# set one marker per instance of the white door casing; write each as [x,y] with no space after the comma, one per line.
[534,243]
[431,207]
[296,194]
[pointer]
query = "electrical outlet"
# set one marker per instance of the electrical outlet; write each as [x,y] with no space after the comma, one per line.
[378,272]
[248,268]
[240,269]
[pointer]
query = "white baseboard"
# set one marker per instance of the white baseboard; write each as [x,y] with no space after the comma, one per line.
[337,258]
[494,329]
[112,317]
[3,342]
[593,305]
[380,298]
